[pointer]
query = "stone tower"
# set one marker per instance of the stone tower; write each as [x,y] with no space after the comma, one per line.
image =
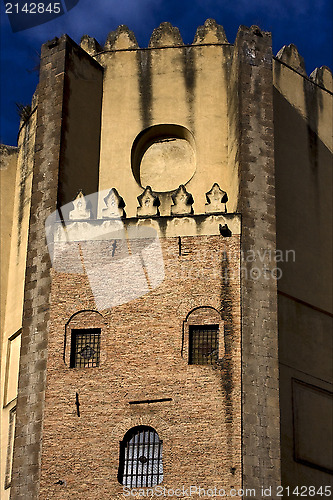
[155,185]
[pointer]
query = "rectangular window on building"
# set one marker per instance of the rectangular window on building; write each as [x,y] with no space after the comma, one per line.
[203,344]
[85,347]
[312,426]
[12,367]
[10,447]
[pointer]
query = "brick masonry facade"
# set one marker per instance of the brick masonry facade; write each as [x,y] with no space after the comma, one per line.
[142,358]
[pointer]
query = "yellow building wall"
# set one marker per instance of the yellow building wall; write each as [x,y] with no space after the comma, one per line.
[303,156]
[166,85]
[16,182]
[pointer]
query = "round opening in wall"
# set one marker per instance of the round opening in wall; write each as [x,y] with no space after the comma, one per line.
[163,157]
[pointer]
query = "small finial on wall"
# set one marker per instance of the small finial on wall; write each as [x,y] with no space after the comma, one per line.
[80,212]
[216,200]
[149,203]
[182,202]
[114,205]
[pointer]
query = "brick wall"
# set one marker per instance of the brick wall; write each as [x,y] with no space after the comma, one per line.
[141,359]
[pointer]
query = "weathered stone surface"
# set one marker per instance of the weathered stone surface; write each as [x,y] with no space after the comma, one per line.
[210,32]
[323,77]
[90,45]
[165,35]
[289,55]
[253,74]
[121,38]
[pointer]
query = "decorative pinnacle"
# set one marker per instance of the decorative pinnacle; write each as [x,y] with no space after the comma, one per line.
[165,35]
[121,38]
[323,77]
[289,55]
[210,32]
[90,45]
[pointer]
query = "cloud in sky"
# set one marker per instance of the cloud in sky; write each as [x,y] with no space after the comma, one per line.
[306,23]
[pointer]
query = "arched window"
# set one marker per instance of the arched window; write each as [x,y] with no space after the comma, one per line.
[140,462]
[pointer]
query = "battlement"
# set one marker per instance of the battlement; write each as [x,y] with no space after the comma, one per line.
[290,56]
[211,33]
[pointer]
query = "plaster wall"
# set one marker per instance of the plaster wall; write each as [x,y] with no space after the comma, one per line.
[15,211]
[7,179]
[186,86]
[303,157]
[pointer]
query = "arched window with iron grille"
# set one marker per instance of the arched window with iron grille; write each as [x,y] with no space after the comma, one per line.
[140,461]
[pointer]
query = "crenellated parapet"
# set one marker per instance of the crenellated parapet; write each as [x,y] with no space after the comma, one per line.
[121,39]
[210,32]
[323,76]
[289,55]
[165,35]
[90,45]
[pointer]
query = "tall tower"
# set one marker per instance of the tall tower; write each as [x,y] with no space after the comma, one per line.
[149,353]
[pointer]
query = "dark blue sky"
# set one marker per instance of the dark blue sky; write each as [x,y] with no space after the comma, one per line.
[306,23]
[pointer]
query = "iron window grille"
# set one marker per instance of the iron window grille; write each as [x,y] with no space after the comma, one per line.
[85,347]
[140,463]
[203,344]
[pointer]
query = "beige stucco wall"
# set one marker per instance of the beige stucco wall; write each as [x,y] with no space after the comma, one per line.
[303,156]
[305,356]
[16,191]
[7,183]
[164,85]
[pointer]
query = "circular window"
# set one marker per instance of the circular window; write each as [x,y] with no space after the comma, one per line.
[163,157]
